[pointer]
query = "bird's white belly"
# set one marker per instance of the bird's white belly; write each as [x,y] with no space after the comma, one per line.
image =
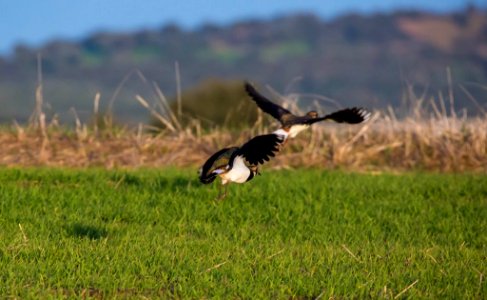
[239,172]
[295,129]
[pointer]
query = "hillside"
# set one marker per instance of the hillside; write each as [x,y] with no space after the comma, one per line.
[356,60]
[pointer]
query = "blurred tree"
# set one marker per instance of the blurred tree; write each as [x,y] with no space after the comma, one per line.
[217,102]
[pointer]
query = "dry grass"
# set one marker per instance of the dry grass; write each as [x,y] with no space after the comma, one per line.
[436,144]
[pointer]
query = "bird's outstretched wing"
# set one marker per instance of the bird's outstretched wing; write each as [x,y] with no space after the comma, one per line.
[352,115]
[260,148]
[215,164]
[265,104]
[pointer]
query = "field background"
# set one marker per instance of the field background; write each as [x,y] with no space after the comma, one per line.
[289,234]
[392,208]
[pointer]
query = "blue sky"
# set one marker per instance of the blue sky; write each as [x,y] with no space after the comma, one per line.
[34,22]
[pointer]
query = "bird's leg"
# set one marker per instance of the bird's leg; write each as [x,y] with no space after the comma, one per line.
[225,192]
[219,192]
[220,195]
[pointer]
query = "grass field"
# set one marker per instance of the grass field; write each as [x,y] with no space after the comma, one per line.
[287,234]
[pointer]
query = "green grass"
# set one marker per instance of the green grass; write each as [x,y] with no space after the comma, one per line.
[287,234]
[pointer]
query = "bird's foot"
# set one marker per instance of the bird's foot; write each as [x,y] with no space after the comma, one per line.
[220,197]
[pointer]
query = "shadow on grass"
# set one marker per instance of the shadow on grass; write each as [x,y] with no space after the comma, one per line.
[86,231]
[158,182]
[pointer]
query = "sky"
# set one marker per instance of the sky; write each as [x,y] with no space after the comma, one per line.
[34,22]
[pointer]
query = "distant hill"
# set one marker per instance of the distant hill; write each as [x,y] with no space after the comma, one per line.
[354,59]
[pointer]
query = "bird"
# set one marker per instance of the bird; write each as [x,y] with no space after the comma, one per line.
[241,164]
[293,124]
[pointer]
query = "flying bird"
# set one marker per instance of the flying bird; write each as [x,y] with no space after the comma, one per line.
[293,124]
[240,164]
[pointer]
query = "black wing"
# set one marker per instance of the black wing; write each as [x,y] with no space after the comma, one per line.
[352,115]
[217,160]
[260,148]
[265,104]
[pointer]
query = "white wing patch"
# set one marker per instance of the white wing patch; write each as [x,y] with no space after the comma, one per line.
[281,133]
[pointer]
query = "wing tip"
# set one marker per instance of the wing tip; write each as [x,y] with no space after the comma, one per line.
[250,89]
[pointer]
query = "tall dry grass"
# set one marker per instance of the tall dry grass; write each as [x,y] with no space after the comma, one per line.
[430,136]
[438,141]
[446,145]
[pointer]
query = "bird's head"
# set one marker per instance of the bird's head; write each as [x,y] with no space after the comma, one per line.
[254,169]
[312,114]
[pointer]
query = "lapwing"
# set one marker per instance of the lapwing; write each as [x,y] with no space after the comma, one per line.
[293,124]
[240,164]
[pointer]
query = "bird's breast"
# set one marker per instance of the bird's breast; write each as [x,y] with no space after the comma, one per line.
[295,129]
[239,173]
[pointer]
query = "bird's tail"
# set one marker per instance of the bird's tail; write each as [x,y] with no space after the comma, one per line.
[208,179]
[352,115]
